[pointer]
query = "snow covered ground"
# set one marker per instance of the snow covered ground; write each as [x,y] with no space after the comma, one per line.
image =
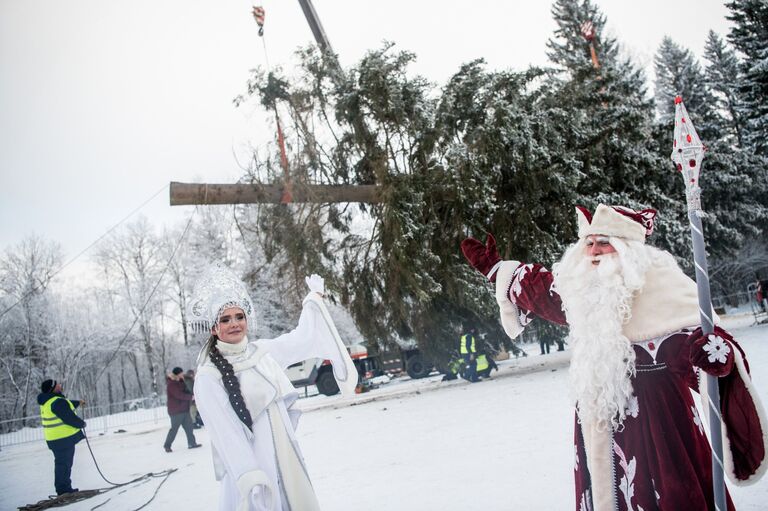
[503,444]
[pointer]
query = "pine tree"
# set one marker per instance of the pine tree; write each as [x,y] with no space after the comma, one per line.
[722,75]
[503,146]
[678,73]
[737,176]
[501,151]
[749,36]
[611,121]
[728,178]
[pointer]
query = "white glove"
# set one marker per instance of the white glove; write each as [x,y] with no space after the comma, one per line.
[315,283]
[255,489]
[261,498]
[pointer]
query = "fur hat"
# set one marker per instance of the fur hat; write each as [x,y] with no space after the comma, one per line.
[616,221]
[48,386]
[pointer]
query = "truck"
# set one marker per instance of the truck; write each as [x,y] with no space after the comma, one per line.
[406,357]
[409,360]
[319,372]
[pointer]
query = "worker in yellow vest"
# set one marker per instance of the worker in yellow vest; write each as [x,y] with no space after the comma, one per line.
[62,430]
[468,351]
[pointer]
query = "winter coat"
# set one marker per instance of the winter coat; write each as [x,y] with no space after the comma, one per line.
[67,416]
[178,398]
[261,468]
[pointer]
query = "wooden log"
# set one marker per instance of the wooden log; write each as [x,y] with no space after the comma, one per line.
[186,194]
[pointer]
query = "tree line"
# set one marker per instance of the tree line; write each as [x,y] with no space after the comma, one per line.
[111,332]
[509,152]
[503,151]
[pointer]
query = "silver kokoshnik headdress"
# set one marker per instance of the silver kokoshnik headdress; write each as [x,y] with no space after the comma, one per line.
[218,289]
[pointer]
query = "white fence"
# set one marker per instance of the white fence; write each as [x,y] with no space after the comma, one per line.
[99,419]
[742,302]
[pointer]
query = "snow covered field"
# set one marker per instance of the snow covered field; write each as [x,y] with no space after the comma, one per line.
[503,444]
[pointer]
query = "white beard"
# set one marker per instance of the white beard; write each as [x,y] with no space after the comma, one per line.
[597,301]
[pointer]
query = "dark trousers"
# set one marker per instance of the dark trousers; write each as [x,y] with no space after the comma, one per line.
[471,367]
[62,466]
[185,421]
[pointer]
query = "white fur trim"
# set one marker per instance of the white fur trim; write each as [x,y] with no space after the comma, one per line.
[728,466]
[510,315]
[246,484]
[598,446]
[494,270]
[668,302]
[609,222]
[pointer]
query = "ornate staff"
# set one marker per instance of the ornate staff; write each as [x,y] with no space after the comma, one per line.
[688,153]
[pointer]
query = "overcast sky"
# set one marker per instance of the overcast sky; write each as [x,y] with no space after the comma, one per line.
[103,103]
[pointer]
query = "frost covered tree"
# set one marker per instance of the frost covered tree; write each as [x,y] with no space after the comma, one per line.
[506,151]
[209,236]
[26,271]
[730,178]
[722,76]
[732,275]
[678,73]
[749,35]
[395,264]
[610,122]
[77,351]
[132,260]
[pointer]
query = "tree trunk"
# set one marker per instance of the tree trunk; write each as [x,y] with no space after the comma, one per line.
[183,309]
[185,194]
[110,396]
[25,402]
[146,336]
[28,357]
[135,364]
[122,381]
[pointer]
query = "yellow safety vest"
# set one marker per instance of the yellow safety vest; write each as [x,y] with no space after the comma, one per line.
[482,363]
[53,427]
[463,347]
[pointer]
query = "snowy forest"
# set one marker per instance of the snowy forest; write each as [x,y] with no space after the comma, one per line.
[504,151]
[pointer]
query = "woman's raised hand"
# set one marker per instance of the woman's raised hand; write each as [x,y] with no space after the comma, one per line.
[315,283]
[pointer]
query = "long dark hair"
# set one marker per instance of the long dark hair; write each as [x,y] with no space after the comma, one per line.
[231,383]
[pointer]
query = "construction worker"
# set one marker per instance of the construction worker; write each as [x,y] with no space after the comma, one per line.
[62,430]
[468,351]
[485,364]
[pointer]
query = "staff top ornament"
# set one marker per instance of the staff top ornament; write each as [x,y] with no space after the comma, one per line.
[687,153]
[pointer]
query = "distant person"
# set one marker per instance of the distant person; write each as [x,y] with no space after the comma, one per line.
[468,351]
[62,430]
[178,408]
[189,388]
[544,345]
[485,364]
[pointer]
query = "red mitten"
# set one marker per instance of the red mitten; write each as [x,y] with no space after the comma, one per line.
[713,353]
[482,257]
